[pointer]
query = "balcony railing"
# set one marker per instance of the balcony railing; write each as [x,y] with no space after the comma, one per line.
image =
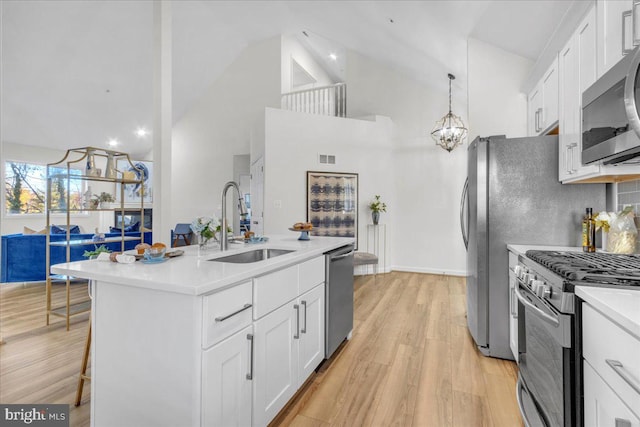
[326,100]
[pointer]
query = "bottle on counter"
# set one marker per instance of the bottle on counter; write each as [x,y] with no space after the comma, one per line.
[588,232]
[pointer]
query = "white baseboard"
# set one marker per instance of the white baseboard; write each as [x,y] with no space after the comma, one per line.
[361,270]
[461,273]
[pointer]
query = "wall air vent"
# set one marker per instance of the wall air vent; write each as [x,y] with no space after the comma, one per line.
[327,159]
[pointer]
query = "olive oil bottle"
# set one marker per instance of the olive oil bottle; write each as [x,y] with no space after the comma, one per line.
[588,232]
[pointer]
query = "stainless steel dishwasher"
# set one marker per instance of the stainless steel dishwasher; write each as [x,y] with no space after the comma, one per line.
[338,297]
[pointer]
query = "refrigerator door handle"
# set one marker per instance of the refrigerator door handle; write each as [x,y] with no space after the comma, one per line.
[463,203]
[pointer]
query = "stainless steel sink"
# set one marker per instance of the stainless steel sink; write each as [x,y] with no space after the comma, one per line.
[252,256]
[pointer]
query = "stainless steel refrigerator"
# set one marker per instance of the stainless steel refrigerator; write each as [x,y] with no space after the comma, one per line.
[513,196]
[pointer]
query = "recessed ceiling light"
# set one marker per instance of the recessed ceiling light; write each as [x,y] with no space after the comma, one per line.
[113,142]
[333,56]
[141,132]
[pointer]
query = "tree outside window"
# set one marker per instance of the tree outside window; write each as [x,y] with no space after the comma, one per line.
[26,188]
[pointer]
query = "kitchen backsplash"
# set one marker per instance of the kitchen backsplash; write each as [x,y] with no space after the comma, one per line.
[629,194]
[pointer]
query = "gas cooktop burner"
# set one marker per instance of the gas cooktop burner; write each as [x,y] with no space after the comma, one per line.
[590,268]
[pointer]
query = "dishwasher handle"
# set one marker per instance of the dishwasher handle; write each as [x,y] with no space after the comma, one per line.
[334,258]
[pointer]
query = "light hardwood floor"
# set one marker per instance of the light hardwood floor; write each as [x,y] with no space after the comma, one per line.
[411,361]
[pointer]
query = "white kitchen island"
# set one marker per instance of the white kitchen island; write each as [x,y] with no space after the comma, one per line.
[192,342]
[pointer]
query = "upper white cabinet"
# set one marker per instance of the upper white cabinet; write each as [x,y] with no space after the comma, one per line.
[580,63]
[534,107]
[550,96]
[543,102]
[577,70]
[615,32]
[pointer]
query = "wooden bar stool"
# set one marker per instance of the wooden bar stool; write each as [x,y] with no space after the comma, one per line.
[182,231]
[83,367]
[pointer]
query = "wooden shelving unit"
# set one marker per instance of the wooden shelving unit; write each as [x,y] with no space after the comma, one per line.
[81,161]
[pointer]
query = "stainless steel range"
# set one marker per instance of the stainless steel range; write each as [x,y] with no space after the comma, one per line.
[549,383]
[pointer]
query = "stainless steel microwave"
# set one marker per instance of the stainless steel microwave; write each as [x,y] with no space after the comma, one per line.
[610,121]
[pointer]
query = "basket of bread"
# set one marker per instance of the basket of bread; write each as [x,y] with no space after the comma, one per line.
[302,226]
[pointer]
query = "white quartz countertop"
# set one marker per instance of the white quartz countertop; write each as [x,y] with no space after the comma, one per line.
[194,274]
[620,305]
[522,249]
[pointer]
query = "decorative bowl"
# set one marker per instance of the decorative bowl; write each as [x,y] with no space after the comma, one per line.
[154,254]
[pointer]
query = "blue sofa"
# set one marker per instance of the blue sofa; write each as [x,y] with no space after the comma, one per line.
[24,259]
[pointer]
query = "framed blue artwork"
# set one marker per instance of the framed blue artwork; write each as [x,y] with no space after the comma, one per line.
[332,203]
[142,171]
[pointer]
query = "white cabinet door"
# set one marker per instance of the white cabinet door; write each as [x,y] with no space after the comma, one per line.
[586,40]
[577,71]
[615,37]
[550,96]
[226,383]
[311,344]
[569,109]
[602,407]
[534,106]
[275,359]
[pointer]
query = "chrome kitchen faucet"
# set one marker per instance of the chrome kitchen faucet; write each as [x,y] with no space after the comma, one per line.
[224,243]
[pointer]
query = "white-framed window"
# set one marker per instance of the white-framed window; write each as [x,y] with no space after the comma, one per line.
[26,188]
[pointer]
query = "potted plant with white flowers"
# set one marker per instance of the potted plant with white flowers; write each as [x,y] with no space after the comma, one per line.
[204,228]
[376,207]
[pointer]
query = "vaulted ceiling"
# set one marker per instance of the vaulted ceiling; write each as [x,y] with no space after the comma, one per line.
[77,73]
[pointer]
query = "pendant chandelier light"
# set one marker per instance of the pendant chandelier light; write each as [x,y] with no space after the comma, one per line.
[449,131]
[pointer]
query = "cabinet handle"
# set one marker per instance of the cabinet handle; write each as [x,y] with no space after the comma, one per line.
[626,14]
[250,374]
[514,303]
[541,119]
[622,423]
[297,335]
[617,366]
[304,329]
[536,121]
[223,318]
[572,169]
[90,289]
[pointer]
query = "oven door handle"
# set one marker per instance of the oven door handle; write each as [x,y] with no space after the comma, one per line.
[519,389]
[544,316]
[539,419]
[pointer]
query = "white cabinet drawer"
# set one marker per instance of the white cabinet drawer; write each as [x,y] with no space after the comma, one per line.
[273,290]
[225,313]
[311,273]
[602,407]
[613,353]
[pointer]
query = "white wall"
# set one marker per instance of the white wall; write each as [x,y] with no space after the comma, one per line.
[219,126]
[38,155]
[292,49]
[427,182]
[293,141]
[496,105]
